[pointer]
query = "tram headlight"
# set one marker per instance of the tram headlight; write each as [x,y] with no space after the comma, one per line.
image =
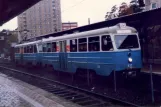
[130,59]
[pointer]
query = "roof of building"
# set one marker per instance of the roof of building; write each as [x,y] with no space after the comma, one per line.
[11,8]
[69,22]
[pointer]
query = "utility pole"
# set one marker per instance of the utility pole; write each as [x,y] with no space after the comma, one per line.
[89,21]
[69,24]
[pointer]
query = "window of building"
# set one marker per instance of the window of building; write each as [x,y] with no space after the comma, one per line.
[73,45]
[82,44]
[106,43]
[154,5]
[94,43]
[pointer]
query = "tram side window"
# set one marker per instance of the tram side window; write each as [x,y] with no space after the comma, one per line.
[82,44]
[16,50]
[35,49]
[31,49]
[94,43]
[106,43]
[28,49]
[40,48]
[44,47]
[54,47]
[48,47]
[73,45]
[25,50]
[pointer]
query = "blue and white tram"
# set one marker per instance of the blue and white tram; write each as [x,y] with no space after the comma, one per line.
[100,51]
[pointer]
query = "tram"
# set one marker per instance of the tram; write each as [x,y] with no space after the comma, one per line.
[101,51]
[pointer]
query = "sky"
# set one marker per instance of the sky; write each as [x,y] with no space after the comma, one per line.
[78,11]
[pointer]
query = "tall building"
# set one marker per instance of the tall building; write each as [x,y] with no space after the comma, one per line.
[41,19]
[69,25]
[152,4]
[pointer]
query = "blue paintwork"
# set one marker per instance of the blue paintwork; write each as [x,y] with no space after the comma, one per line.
[122,61]
[27,58]
[17,57]
[103,63]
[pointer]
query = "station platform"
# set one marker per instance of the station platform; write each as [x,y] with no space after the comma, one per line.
[16,93]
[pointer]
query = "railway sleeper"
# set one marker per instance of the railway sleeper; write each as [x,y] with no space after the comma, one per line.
[88,102]
[39,83]
[44,86]
[66,94]
[73,96]
[98,105]
[79,98]
[54,90]
[51,86]
[60,93]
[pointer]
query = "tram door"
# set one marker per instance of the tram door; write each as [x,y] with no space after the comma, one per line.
[62,55]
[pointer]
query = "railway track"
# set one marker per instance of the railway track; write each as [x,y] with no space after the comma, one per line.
[71,93]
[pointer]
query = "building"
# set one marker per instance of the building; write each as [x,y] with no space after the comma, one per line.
[152,4]
[41,19]
[69,25]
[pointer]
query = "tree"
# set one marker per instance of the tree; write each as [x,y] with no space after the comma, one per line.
[24,34]
[124,9]
[134,7]
[112,14]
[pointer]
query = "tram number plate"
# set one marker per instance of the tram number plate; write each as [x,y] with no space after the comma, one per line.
[129,65]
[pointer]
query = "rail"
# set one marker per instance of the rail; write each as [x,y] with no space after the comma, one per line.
[64,92]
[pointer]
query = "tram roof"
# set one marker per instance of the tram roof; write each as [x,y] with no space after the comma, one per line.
[28,43]
[107,30]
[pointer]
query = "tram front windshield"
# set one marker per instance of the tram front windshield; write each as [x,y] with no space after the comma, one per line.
[126,41]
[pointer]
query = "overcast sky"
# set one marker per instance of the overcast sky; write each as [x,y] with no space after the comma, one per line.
[79,11]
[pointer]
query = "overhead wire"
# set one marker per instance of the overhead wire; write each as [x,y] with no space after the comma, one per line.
[66,10]
[73,6]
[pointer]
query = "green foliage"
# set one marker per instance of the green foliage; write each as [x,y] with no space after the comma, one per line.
[112,14]
[135,6]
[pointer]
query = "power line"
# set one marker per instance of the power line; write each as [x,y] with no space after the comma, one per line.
[36,25]
[73,6]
